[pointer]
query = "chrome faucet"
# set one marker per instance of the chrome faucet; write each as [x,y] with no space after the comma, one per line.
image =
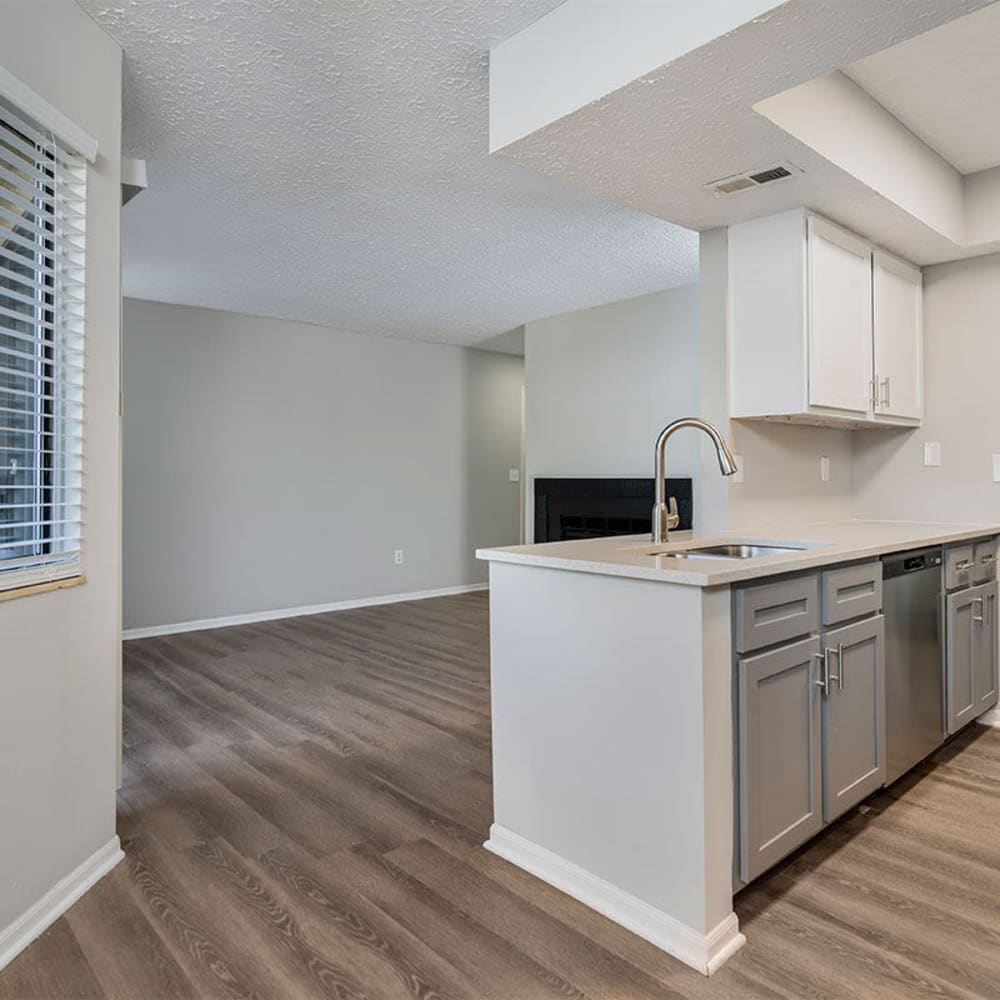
[664,517]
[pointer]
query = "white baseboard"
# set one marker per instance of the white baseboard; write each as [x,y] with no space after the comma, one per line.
[990,718]
[308,609]
[704,952]
[15,937]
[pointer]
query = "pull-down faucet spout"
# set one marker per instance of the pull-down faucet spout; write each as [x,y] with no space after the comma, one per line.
[664,517]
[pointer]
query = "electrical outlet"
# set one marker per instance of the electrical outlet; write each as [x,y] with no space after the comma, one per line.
[399,557]
[514,476]
[932,453]
[824,469]
[737,476]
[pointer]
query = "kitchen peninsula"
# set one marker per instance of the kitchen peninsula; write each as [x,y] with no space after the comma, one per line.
[665,724]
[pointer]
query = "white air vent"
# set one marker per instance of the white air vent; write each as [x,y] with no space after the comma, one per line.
[752,178]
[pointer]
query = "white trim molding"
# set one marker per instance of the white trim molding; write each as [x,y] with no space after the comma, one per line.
[15,937]
[308,609]
[990,718]
[25,100]
[704,952]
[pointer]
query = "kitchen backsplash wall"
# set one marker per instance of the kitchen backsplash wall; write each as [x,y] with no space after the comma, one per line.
[782,474]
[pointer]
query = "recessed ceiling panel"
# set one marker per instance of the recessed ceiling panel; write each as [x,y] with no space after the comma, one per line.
[944,86]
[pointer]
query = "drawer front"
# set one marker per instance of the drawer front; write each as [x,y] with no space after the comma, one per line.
[984,561]
[851,591]
[769,613]
[958,563]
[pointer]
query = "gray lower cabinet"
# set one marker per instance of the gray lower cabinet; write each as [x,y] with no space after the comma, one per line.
[853,699]
[972,661]
[811,720]
[780,769]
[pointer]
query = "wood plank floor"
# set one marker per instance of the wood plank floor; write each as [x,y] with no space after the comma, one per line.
[302,814]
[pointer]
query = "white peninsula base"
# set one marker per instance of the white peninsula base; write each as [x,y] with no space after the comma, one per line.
[613,749]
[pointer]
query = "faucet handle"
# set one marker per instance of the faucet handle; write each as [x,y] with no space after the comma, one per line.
[673,517]
[665,517]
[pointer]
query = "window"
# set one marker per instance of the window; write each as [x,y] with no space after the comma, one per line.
[42,216]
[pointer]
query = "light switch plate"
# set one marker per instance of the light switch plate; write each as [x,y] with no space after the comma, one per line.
[824,469]
[996,468]
[737,476]
[932,453]
[514,476]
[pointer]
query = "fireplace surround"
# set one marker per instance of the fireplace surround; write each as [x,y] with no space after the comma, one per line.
[567,509]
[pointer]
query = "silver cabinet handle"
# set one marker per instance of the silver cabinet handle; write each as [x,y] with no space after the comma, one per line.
[961,567]
[873,391]
[885,391]
[982,608]
[828,675]
[839,675]
[987,559]
[824,674]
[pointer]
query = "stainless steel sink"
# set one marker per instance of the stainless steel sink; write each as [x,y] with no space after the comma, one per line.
[729,551]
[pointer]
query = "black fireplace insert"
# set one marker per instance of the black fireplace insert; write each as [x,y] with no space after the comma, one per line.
[595,508]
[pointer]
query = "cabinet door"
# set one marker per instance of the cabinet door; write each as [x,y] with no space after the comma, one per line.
[962,613]
[839,319]
[897,299]
[854,715]
[984,659]
[779,754]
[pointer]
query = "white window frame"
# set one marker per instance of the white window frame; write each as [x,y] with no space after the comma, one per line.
[42,338]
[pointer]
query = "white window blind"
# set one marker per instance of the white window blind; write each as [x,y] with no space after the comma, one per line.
[42,227]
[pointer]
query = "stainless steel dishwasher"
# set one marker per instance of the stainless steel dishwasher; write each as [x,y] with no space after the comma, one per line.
[914,666]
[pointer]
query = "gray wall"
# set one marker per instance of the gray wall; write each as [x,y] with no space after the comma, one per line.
[59,651]
[601,383]
[273,465]
[961,408]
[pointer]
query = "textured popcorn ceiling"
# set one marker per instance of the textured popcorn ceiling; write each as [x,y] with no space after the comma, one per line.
[326,160]
[651,144]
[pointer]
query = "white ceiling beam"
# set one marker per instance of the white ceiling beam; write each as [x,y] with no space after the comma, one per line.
[585,49]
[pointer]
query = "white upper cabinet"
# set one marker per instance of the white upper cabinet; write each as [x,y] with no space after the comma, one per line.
[824,328]
[897,297]
[839,322]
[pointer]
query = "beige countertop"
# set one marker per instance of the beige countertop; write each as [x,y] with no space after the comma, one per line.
[821,544]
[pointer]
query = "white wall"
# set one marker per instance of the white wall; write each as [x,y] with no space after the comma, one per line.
[273,465]
[59,651]
[962,408]
[601,383]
